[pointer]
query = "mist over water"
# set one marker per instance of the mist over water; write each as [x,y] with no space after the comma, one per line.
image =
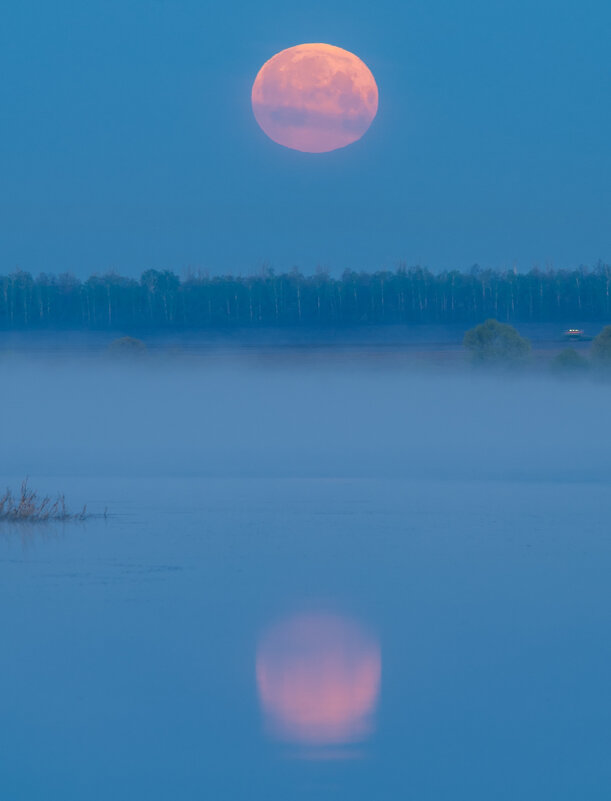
[334,580]
[335,421]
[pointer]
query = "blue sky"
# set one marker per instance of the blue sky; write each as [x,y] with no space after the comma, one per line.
[127,140]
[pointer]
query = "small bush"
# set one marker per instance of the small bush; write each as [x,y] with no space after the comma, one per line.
[493,343]
[569,361]
[601,349]
[127,347]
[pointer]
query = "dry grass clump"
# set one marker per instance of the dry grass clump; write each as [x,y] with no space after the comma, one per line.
[29,507]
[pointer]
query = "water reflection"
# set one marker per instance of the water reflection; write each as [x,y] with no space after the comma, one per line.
[318,677]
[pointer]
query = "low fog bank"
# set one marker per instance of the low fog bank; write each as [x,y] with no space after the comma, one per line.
[127,420]
[416,336]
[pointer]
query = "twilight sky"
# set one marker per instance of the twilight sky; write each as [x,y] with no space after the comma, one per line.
[127,138]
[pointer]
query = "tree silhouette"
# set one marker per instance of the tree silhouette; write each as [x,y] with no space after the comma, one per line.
[403,296]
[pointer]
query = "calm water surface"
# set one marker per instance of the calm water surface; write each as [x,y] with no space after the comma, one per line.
[368,633]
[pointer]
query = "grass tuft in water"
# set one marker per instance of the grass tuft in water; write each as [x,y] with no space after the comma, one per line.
[29,507]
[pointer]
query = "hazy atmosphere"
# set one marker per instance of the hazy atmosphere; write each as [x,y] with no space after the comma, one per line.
[330,420]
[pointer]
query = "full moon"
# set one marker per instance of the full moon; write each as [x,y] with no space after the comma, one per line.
[314,98]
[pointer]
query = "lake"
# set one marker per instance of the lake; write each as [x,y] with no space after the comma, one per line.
[333,582]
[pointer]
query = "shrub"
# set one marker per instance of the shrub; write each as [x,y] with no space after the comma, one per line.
[495,343]
[127,347]
[601,348]
[569,361]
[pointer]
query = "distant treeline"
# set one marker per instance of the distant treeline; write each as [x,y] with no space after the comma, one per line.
[414,295]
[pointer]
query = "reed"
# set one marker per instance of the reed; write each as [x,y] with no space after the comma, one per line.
[28,506]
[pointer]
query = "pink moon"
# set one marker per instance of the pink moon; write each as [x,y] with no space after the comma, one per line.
[314,98]
[318,678]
